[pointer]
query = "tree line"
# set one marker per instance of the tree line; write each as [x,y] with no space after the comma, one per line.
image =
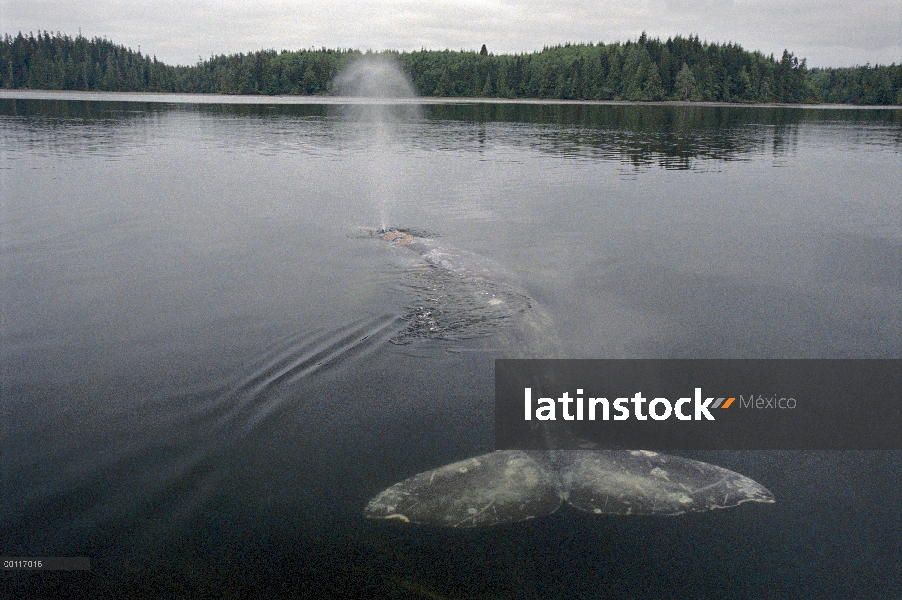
[680,68]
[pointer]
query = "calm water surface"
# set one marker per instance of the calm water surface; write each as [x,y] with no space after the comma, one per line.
[207,369]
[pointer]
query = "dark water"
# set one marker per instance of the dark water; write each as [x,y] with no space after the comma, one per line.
[207,370]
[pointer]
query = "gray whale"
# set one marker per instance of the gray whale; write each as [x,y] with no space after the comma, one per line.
[509,486]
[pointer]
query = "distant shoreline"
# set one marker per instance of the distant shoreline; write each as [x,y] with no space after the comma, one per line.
[214,98]
[680,69]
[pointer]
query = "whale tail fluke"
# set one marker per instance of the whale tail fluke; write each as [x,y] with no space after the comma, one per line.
[510,486]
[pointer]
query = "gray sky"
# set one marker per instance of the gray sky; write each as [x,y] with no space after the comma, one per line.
[827,32]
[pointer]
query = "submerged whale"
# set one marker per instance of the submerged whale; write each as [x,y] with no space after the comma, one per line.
[509,486]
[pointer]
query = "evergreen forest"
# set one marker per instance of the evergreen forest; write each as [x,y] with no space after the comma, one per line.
[680,68]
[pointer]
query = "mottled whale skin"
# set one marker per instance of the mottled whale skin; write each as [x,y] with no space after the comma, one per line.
[431,252]
[509,486]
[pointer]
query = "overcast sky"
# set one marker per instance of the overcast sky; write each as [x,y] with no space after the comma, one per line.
[835,33]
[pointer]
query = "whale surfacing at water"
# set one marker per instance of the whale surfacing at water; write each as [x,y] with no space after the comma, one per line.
[509,486]
[398,237]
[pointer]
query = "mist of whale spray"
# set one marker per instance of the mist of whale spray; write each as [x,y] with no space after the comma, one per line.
[510,485]
[382,100]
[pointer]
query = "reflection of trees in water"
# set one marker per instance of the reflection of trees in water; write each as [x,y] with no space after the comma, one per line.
[105,128]
[88,109]
[668,136]
[76,127]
